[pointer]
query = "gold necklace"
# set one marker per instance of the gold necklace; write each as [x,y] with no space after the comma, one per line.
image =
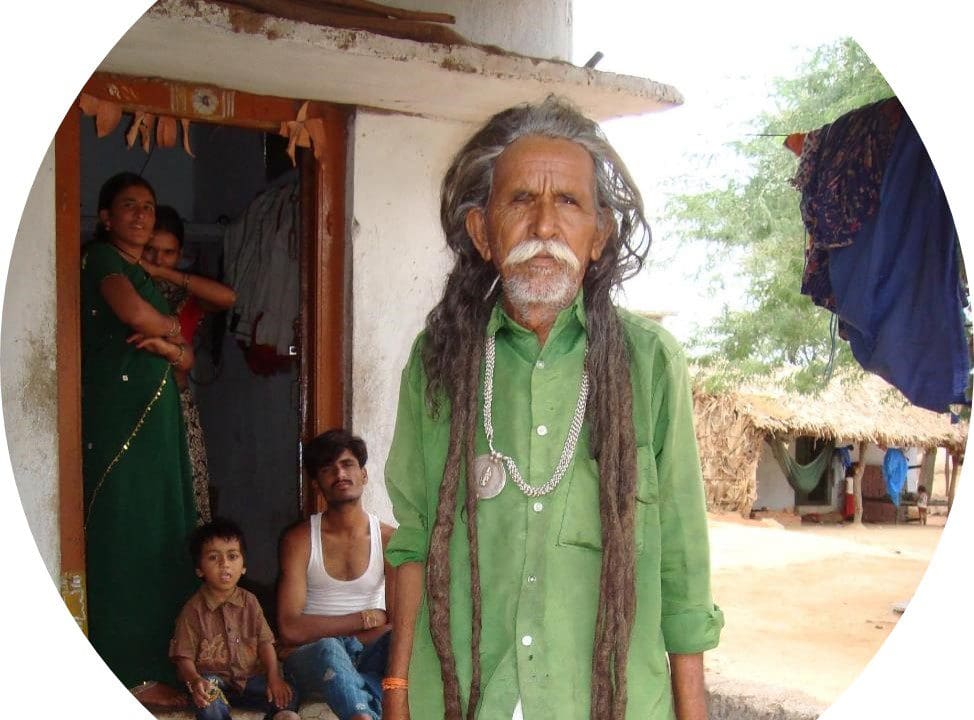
[126,253]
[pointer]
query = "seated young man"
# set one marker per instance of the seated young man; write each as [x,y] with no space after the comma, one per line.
[222,647]
[335,586]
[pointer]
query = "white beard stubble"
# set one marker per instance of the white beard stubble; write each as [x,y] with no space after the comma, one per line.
[546,288]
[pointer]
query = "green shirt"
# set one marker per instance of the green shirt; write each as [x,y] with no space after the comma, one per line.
[540,559]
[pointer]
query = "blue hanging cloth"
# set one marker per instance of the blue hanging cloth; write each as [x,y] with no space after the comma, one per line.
[845,456]
[895,467]
[883,252]
[897,288]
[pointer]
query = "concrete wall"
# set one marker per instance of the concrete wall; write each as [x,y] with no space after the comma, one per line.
[29,378]
[875,456]
[399,261]
[773,490]
[541,28]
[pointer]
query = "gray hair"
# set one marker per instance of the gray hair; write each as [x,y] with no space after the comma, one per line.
[468,182]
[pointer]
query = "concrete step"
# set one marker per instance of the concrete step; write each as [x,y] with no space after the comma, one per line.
[307,711]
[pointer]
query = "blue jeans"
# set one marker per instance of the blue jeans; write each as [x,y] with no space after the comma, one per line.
[344,673]
[254,695]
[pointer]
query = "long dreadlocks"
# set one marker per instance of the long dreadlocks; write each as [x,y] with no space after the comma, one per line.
[460,320]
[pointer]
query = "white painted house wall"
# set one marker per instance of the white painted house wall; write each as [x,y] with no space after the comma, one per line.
[399,263]
[29,378]
[875,456]
[538,29]
[773,490]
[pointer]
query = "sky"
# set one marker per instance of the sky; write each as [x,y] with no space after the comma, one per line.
[725,79]
[705,50]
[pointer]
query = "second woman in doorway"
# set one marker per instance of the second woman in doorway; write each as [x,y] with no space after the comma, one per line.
[189,296]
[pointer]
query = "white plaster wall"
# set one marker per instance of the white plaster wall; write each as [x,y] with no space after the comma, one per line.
[539,28]
[773,490]
[875,456]
[27,359]
[398,263]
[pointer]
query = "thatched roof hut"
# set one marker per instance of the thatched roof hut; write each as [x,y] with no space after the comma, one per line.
[731,428]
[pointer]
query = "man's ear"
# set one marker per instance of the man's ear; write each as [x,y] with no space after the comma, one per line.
[365,476]
[103,215]
[603,231]
[476,224]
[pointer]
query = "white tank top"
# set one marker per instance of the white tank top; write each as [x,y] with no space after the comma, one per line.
[328,596]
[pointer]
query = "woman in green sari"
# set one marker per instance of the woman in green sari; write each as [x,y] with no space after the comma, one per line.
[139,506]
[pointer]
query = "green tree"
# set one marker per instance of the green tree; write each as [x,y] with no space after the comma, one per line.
[757,221]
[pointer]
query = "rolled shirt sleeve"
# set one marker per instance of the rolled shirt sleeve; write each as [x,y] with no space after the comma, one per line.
[691,623]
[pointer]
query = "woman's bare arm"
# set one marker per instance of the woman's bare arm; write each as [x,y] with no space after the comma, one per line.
[134,311]
[213,295]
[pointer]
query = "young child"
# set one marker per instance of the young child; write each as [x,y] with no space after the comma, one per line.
[922,501]
[222,647]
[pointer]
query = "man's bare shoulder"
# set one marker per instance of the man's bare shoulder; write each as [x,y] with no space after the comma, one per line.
[297,539]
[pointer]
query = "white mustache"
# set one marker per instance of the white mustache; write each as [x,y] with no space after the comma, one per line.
[524,251]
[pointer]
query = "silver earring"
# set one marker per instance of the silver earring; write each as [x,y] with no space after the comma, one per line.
[492,286]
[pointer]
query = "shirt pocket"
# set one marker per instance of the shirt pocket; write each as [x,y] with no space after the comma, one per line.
[247,654]
[581,525]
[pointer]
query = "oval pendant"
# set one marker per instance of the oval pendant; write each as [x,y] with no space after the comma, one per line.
[490,476]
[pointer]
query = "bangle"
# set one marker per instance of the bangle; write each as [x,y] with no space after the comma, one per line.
[173,327]
[185,281]
[179,356]
[395,683]
[368,620]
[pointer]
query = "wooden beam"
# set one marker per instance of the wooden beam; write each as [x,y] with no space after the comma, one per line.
[67,262]
[857,482]
[323,287]
[201,103]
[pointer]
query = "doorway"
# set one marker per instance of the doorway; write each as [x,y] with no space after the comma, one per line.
[257,398]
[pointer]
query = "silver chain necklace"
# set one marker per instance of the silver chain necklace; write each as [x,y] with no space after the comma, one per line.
[489,468]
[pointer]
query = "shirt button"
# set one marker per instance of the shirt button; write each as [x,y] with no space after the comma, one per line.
[532,579]
[542,430]
[125,378]
[538,506]
[527,640]
[539,364]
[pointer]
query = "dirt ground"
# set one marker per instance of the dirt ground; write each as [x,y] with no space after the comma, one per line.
[807,606]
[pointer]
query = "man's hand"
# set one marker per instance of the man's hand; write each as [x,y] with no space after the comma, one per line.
[199,689]
[395,705]
[278,692]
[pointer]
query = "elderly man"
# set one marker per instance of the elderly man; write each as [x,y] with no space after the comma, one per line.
[544,471]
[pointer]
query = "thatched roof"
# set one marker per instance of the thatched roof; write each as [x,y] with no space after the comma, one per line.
[870,410]
[731,427]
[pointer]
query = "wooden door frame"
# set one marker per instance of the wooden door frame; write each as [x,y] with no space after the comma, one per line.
[323,276]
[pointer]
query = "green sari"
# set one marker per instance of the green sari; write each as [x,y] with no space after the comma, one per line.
[139,506]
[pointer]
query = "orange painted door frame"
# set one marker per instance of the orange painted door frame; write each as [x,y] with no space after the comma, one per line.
[322,330]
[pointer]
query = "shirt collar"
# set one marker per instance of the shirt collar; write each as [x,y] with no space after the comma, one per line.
[569,323]
[236,598]
[499,317]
